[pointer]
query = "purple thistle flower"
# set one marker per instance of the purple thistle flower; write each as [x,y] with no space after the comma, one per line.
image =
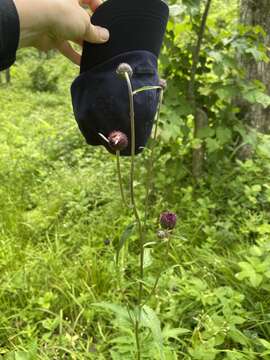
[118,141]
[168,220]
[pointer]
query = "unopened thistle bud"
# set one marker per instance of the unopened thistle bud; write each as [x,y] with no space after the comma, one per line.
[168,220]
[163,83]
[107,242]
[123,69]
[161,234]
[118,141]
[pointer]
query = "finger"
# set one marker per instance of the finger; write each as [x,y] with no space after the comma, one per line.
[93,4]
[94,34]
[66,49]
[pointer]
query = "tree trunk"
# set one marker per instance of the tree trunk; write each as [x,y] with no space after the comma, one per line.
[200,118]
[201,122]
[252,13]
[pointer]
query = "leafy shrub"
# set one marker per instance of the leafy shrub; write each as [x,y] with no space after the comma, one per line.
[43,79]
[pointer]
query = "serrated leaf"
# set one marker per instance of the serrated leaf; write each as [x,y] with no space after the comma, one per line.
[223,134]
[249,272]
[174,333]
[212,145]
[150,320]
[257,96]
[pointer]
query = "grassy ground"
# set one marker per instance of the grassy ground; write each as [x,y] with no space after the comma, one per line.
[59,202]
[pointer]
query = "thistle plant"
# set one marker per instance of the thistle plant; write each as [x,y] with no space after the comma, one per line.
[167,219]
[118,141]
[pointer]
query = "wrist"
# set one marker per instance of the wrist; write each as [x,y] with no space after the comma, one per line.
[35,18]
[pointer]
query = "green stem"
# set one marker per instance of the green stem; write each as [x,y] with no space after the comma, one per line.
[138,345]
[160,272]
[151,159]
[120,177]
[135,211]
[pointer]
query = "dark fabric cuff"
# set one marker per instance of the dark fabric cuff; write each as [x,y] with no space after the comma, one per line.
[134,25]
[9,33]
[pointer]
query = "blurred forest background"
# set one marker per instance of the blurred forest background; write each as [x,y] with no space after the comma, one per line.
[61,216]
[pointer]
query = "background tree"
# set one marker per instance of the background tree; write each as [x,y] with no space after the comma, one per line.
[256,13]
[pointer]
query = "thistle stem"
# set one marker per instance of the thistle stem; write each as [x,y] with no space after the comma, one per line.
[160,272]
[151,159]
[120,177]
[135,211]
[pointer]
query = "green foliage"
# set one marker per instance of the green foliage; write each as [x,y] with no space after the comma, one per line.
[62,295]
[42,79]
[221,83]
[124,237]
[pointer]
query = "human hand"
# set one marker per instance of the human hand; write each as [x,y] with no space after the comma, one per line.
[50,24]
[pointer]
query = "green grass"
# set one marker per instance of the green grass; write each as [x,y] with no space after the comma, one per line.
[59,201]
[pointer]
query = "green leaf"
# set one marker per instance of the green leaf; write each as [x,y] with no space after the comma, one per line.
[263,229]
[22,356]
[253,95]
[212,145]
[216,55]
[171,131]
[249,272]
[223,135]
[50,324]
[150,320]
[126,234]
[265,343]
[118,310]
[19,355]
[238,337]
[205,132]
[227,92]
[258,55]
[175,333]
[148,260]
[177,10]
[204,351]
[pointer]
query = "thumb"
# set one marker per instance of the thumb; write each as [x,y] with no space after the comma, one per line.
[96,34]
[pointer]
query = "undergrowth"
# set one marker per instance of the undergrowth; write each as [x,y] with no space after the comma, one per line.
[61,220]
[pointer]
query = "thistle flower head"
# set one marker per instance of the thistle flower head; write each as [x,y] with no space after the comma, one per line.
[124,68]
[107,242]
[163,83]
[118,141]
[168,220]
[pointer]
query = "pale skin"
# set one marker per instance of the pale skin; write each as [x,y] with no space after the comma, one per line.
[53,24]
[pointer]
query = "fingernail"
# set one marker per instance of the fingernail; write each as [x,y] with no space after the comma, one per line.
[104,34]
